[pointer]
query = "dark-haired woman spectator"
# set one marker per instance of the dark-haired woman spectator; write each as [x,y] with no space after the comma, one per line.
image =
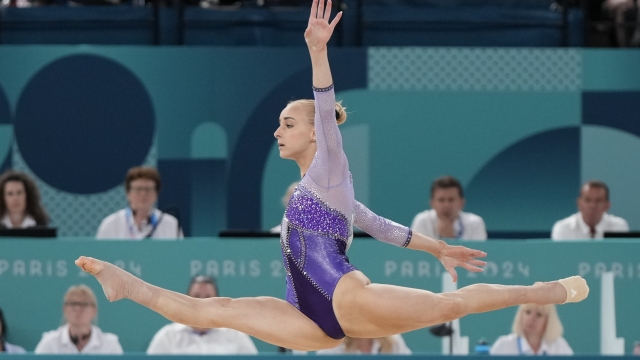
[20,206]
[5,347]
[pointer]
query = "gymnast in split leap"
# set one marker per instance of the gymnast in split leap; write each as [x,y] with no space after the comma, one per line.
[327,297]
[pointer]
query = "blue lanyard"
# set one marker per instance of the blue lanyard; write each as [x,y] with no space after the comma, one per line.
[153,220]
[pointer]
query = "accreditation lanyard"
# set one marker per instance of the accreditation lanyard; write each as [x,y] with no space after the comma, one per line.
[520,347]
[153,221]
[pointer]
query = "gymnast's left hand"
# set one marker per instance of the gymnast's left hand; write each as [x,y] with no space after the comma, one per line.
[319,29]
[453,256]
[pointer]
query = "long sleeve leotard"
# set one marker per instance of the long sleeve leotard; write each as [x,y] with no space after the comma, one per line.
[317,227]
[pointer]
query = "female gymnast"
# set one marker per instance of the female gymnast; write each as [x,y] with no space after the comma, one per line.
[327,298]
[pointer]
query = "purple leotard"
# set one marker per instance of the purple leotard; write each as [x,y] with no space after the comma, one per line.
[317,227]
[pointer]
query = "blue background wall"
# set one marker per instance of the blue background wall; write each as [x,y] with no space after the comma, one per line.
[521,128]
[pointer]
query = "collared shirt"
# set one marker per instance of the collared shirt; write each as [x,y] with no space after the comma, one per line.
[59,342]
[513,344]
[176,338]
[13,349]
[119,225]
[399,348]
[28,221]
[468,226]
[574,227]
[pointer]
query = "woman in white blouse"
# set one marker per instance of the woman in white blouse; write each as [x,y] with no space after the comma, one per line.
[536,330]
[78,335]
[20,206]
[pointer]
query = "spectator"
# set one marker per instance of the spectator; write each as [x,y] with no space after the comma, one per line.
[446,220]
[181,339]
[21,202]
[385,345]
[592,220]
[285,201]
[5,347]
[536,330]
[78,335]
[140,220]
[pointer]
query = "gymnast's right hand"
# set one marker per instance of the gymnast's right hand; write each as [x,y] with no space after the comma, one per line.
[319,30]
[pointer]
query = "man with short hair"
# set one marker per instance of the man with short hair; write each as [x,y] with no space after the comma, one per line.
[446,220]
[181,339]
[140,220]
[591,221]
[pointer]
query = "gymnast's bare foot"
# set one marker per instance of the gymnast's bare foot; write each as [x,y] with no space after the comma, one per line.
[116,283]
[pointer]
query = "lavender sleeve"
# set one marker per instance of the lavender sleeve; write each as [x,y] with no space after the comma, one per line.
[330,167]
[380,228]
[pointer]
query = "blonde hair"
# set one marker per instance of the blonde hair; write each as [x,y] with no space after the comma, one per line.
[386,344]
[310,108]
[552,331]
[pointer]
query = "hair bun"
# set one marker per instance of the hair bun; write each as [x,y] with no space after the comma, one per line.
[341,113]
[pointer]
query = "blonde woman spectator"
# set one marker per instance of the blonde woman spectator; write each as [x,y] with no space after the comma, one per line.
[536,330]
[78,335]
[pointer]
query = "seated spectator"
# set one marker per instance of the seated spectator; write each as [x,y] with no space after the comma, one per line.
[5,347]
[385,345]
[20,206]
[140,220]
[446,220]
[181,339]
[285,202]
[592,220]
[536,330]
[78,335]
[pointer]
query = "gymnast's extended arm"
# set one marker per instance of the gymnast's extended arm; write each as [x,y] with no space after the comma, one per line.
[393,233]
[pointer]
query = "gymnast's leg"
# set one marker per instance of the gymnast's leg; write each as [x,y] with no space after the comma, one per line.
[269,319]
[374,310]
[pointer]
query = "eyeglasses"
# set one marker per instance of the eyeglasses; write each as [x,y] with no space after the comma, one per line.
[80,304]
[142,189]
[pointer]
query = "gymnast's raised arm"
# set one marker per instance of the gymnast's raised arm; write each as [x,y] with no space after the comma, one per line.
[331,166]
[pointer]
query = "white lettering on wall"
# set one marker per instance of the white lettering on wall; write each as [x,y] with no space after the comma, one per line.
[232,268]
[425,269]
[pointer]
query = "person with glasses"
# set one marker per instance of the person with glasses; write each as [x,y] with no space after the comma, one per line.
[79,335]
[140,220]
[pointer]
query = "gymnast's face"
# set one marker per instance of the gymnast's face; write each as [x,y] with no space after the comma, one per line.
[296,135]
[533,320]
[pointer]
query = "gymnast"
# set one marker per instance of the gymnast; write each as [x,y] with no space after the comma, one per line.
[327,297]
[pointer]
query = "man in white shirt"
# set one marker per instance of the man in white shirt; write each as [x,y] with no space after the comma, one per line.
[140,220]
[592,220]
[446,220]
[181,339]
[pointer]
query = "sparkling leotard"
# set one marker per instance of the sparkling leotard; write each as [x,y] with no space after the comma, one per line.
[317,227]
